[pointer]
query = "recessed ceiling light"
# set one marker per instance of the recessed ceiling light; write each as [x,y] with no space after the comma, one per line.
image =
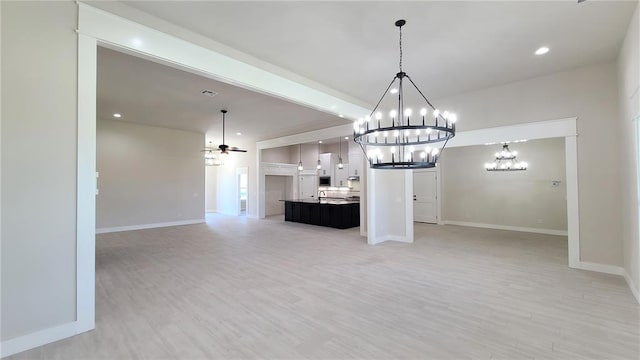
[136,42]
[346,138]
[320,142]
[238,133]
[341,115]
[116,115]
[543,50]
[393,91]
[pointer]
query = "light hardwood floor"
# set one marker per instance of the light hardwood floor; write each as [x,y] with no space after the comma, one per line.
[241,288]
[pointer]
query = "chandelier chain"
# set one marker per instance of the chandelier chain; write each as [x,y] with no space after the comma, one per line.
[400,48]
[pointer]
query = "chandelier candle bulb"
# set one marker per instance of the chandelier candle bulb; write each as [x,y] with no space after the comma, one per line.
[407,113]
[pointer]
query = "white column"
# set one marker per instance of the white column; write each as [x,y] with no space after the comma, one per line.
[389,206]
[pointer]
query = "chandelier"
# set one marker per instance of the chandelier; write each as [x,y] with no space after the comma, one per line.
[506,161]
[210,158]
[404,130]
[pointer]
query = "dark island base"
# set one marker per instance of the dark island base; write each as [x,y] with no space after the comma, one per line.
[339,216]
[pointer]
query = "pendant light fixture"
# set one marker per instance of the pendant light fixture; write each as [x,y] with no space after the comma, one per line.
[415,132]
[300,168]
[340,164]
[319,164]
[506,161]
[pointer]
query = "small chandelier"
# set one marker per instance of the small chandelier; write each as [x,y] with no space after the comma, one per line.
[413,138]
[210,159]
[506,161]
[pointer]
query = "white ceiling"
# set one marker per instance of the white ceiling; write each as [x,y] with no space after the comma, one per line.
[150,93]
[449,47]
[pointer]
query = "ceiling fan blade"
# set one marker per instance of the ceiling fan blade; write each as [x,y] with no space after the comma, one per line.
[236,149]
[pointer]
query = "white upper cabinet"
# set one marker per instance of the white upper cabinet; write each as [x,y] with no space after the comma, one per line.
[327,164]
[341,176]
[355,164]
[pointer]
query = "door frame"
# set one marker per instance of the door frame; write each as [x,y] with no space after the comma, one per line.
[567,129]
[240,171]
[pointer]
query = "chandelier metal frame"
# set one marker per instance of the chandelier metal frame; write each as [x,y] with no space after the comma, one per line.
[405,134]
[506,161]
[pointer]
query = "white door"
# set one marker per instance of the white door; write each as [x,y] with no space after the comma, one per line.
[425,206]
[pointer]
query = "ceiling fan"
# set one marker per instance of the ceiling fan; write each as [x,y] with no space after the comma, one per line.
[224,148]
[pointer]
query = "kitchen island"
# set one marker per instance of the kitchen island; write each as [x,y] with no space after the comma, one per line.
[335,213]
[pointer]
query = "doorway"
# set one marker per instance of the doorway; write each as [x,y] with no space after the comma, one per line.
[242,179]
[425,196]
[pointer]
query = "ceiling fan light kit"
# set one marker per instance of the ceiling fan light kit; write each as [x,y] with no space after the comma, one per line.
[210,158]
[412,140]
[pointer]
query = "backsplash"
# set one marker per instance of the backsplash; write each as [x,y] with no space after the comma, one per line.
[340,192]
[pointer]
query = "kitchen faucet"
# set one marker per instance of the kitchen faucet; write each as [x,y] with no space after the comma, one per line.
[321,193]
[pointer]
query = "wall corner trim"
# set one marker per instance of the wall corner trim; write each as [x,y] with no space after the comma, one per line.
[602,268]
[148,226]
[39,338]
[507,227]
[634,290]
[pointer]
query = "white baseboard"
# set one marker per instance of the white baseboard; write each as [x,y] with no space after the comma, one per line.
[381,239]
[507,227]
[632,286]
[603,268]
[39,338]
[148,226]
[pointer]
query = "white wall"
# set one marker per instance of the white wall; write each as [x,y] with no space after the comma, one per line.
[211,188]
[628,90]
[309,155]
[520,198]
[390,206]
[39,92]
[278,155]
[148,175]
[276,188]
[227,181]
[589,93]
[335,149]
